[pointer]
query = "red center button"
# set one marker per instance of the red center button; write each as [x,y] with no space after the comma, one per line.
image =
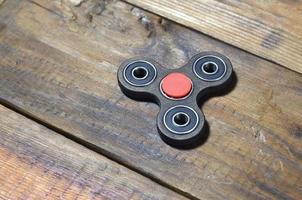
[176,85]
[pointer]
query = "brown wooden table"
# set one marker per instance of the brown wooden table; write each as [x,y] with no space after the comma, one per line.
[67,131]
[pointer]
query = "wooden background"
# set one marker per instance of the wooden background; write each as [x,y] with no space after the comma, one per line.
[269,29]
[80,137]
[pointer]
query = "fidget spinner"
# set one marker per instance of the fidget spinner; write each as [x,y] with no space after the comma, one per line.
[180,121]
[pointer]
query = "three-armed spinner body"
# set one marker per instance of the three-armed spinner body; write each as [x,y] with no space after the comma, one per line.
[178,92]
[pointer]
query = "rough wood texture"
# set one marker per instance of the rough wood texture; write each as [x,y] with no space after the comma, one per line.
[37,163]
[58,64]
[269,29]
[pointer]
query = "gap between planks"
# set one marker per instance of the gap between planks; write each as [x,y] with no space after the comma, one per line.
[34,149]
[266,29]
[94,148]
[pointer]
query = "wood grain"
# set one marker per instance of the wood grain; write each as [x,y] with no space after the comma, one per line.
[269,29]
[37,163]
[58,65]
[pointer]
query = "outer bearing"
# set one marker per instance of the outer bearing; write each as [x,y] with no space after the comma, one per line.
[181,128]
[146,75]
[209,68]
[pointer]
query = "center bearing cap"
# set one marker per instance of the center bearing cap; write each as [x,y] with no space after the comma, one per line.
[176,85]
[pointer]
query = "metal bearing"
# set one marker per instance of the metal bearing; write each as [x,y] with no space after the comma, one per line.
[209,68]
[181,119]
[140,73]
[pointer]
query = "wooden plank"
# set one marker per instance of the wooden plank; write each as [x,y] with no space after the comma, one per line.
[37,163]
[269,29]
[58,64]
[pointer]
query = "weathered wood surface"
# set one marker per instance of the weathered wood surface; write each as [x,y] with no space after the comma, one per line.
[269,29]
[37,163]
[58,64]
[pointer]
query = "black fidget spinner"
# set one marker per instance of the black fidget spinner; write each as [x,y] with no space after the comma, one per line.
[178,92]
